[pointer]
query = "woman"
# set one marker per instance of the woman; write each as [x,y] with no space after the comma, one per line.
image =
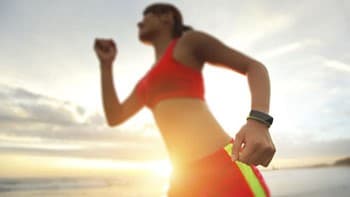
[200,150]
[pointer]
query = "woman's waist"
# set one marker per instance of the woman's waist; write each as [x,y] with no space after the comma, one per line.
[186,117]
[180,107]
[153,99]
[189,129]
[206,164]
[185,114]
[189,150]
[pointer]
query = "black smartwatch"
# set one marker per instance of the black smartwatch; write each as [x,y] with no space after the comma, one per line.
[261,117]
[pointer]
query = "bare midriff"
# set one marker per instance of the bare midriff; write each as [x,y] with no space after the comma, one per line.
[189,129]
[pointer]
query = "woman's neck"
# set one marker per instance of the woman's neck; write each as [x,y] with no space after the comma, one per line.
[160,44]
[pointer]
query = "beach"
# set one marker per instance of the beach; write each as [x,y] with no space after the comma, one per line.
[301,182]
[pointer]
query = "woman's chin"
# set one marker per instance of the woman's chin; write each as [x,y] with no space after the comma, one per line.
[144,39]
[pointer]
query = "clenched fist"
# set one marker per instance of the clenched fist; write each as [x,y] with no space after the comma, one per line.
[106,51]
[253,144]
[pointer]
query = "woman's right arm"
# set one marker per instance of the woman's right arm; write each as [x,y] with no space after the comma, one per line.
[115,111]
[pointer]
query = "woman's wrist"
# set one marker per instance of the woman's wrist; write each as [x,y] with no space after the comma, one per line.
[256,123]
[257,126]
[261,117]
[106,65]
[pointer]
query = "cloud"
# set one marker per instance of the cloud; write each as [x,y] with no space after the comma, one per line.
[26,113]
[25,106]
[289,48]
[325,26]
[118,147]
[32,123]
[338,65]
[311,107]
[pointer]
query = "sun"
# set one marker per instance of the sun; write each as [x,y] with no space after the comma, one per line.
[161,168]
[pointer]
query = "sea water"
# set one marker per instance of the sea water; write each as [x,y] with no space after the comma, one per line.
[309,182]
[301,182]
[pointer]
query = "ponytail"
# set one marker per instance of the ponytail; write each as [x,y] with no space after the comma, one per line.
[186,28]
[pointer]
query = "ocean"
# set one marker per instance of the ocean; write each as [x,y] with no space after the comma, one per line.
[299,182]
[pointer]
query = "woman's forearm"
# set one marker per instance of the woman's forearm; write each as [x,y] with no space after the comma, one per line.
[111,103]
[259,85]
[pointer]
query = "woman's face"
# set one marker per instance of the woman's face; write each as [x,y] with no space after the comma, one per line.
[149,26]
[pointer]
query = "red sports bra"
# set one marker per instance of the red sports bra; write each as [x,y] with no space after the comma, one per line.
[169,79]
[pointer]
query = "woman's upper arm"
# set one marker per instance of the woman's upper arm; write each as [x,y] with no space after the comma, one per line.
[129,107]
[213,51]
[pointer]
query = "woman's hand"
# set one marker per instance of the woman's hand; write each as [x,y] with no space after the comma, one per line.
[253,144]
[106,51]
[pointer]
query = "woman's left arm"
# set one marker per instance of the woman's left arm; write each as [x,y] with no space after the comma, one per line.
[258,148]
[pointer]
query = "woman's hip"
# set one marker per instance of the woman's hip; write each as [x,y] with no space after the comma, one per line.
[217,175]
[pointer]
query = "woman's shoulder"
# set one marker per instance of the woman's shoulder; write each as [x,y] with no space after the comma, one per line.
[194,36]
[195,39]
[186,49]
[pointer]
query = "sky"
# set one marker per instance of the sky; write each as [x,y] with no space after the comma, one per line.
[50,81]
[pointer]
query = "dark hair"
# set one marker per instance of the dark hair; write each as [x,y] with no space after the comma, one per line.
[162,8]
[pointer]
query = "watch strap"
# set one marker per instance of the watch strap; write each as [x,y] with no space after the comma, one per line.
[261,117]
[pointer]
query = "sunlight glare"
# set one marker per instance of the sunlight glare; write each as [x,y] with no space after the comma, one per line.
[161,168]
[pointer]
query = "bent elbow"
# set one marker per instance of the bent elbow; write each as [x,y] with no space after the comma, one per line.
[264,69]
[257,66]
[115,121]
[112,123]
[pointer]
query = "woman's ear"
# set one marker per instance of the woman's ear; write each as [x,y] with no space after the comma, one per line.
[167,18]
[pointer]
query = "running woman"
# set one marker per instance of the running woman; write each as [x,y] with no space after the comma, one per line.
[206,160]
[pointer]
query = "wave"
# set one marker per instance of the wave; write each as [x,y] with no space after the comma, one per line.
[19,184]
